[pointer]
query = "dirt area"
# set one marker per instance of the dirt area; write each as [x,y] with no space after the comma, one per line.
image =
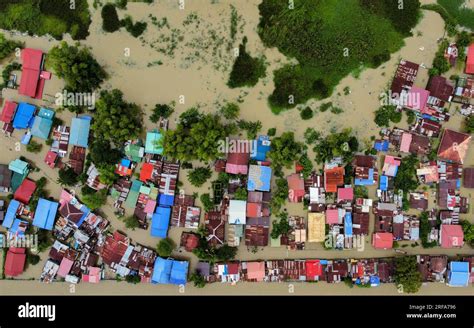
[149,76]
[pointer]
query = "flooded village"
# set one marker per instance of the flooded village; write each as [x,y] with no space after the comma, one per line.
[397,193]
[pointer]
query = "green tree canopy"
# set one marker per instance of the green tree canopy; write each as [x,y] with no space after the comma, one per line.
[198,176]
[165,247]
[407,274]
[284,150]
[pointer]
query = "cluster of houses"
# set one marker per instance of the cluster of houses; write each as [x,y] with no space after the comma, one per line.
[360,272]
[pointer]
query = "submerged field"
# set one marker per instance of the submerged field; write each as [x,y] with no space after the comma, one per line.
[169,61]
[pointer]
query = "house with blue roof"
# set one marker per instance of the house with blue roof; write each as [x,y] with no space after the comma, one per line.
[348,224]
[166,200]
[79,135]
[42,123]
[458,275]
[24,116]
[152,145]
[18,228]
[168,271]
[381,145]
[259,178]
[162,271]
[369,181]
[10,216]
[160,222]
[260,148]
[383,183]
[179,272]
[45,214]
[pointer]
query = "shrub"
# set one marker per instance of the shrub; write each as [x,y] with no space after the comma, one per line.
[246,70]
[34,147]
[110,19]
[161,110]
[306,113]
[230,111]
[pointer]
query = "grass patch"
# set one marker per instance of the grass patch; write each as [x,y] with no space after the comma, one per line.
[41,17]
[351,34]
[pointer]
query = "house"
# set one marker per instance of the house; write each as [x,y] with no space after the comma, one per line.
[382,240]
[365,171]
[152,143]
[11,213]
[60,140]
[468,177]
[345,194]
[215,226]
[316,227]
[428,172]
[160,222]
[80,127]
[404,77]
[257,231]
[93,178]
[333,177]
[453,146]
[458,274]
[259,178]
[45,214]
[135,151]
[296,190]
[77,158]
[432,268]
[419,201]
[415,99]
[93,275]
[451,235]
[360,223]
[23,116]
[314,270]
[184,213]
[237,211]
[50,270]
[263,147]
[390,166]
[189,241]
[451,53]
[255,271]
[114,249]
[15,261]
[146,172]
[5,178]
[42,123]
[25,191]
[31,83]
[465,90]
[8,112]
[229,272]
[168,271]
[470,60]
[336,271]
[51,159]
[440,91]
[179,272]
[65,267]
[237,162]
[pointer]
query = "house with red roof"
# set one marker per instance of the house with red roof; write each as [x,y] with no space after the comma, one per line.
[189,241]
[454,146]
[451,235]
[314,270]
[333,178]
[8,111]
[51,159]
[255,271]
[416,99]
[15,261]
[440,91]
[146,172]
[470,60]
[345,194]
[32,76]
[382,240]
[296,190]
[237,163]
[25,191]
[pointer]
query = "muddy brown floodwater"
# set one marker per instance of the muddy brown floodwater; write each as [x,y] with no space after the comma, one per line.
[176,59]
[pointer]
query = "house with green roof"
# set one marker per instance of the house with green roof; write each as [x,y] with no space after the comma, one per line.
[132,197]
[152,145]
[20,170]
[135,151]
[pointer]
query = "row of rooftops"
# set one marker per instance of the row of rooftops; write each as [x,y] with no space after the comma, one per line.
[454,272]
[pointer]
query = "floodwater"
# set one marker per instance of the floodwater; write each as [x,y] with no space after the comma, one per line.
[175,61]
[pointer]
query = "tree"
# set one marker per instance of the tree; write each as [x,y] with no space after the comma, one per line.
[342,144]
[468,229]
[469,123]
[101,152]
[196,137]
[385,114]
[116,120]
[280,194]
[271,132]
[165,247]
[7,47]
[110,19]
[135,29]
[240,194]
[230,111]
[197,279]
[306,113]
[280,226]
[311,135]
[206,202]
[406,179]
[67,177]
[246,70]
[252,128]
[199,176]
[107,174]
[226,253]
[425,230]
[34,147]
[284,150]
[131,222]
[307,165]
[161,110]
[96,200]
[77,66]
[407,274]
[133,278]
[32,259]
